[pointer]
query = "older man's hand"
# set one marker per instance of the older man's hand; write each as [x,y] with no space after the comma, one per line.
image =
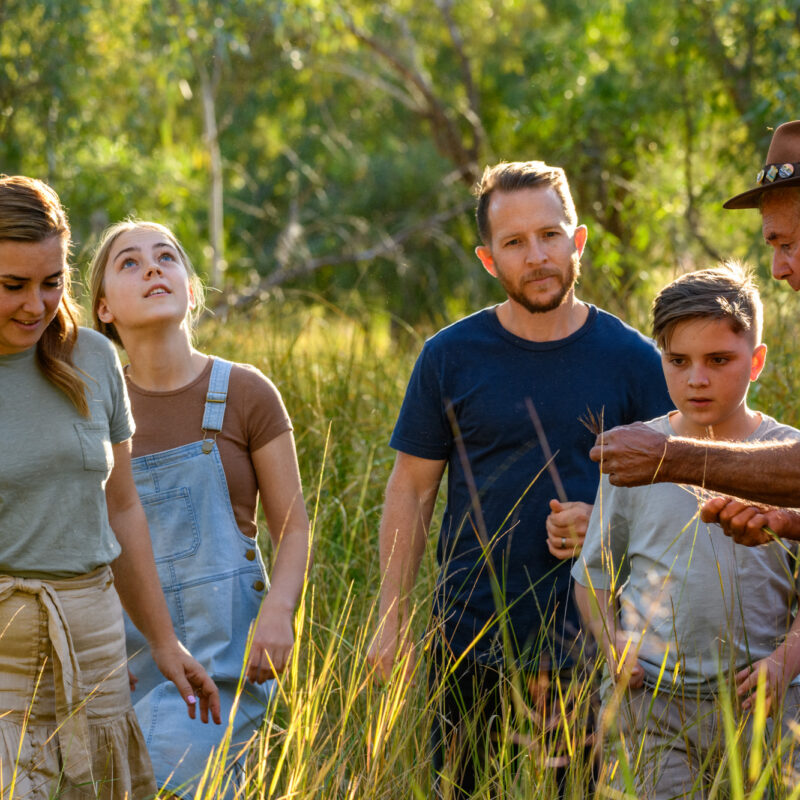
[631,455]
[746,523]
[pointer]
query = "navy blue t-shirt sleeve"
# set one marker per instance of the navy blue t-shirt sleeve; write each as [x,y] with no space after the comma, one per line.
[649,388]
[422,428]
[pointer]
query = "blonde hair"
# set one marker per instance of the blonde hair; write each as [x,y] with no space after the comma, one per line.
[97,272]
[30,211]
[727,292]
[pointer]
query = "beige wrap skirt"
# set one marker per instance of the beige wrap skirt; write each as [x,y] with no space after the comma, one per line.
[67,726]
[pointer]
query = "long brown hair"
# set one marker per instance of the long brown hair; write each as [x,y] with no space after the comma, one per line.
[30,211]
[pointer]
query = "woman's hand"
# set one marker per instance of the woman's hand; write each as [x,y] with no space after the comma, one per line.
[191,680]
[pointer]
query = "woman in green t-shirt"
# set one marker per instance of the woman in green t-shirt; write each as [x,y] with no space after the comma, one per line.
[73,536]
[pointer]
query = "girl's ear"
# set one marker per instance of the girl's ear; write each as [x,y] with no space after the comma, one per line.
[103,312]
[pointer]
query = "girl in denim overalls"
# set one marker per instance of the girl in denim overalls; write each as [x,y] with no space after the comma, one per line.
[144,294]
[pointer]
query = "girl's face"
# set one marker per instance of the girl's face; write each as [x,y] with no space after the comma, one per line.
[145,282]
[32,278]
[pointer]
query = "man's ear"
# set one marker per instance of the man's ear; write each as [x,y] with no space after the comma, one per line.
[759,359]
[485,255]
[580,236]
[104,313]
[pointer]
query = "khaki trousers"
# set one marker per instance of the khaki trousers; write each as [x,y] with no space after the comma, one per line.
[675,743]
[67,727]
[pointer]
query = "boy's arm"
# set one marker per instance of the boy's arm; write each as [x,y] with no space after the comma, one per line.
[778,669]
[599,612]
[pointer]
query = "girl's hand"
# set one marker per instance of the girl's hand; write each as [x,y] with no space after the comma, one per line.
[273,640]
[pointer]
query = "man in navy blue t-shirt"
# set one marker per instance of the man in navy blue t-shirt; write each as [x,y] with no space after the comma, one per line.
[500,399]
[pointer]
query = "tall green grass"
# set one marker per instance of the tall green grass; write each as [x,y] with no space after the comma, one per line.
[332,731]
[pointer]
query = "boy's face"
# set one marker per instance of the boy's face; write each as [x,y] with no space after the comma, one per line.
[708,369]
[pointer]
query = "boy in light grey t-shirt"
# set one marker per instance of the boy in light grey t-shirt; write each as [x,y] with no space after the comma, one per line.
[675,605]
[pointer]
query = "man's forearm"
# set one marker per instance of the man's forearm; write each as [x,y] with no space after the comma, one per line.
[402,538]
[766,473]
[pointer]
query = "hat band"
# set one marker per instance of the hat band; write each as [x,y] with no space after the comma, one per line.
[774,173]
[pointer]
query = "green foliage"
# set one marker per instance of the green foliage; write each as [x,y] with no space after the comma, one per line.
[351,131]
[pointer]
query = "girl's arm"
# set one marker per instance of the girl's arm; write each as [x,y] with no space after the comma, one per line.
[139,590]
[281,494]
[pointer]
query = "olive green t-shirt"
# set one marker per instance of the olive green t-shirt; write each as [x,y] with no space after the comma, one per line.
[54,463]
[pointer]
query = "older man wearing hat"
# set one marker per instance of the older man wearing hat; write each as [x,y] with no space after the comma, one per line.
[768,475]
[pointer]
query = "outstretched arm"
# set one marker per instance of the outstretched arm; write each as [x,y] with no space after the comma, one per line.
[407,511]
[767,472]
[281,494]
[139,590]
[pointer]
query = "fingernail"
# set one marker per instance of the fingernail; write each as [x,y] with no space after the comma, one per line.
[192,699]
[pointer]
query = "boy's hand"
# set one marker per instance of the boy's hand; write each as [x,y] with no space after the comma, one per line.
[625,670]
[566,527]
[745,522]
[776,679]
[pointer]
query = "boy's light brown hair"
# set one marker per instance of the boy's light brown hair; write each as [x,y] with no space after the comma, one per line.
[726,292]
[511,176]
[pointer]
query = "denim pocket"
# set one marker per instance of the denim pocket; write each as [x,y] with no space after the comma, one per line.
[96,446]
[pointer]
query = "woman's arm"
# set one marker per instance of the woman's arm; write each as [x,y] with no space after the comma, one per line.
[139,590]
[282,498]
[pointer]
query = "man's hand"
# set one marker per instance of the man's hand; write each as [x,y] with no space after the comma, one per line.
[273,640]
[387,647]
[776,679]
[566,527]
[751,524]
[630,454]
[623,664]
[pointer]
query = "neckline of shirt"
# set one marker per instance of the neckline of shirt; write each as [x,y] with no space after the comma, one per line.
[529,344]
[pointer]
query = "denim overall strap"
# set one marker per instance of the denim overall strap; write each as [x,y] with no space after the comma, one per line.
[215,401]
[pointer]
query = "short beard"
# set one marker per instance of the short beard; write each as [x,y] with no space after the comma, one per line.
[517,294]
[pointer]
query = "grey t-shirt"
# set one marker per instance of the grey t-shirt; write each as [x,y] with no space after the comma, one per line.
[54,463]
[710,604]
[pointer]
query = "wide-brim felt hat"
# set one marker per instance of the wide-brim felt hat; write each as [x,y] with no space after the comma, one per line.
[781,169]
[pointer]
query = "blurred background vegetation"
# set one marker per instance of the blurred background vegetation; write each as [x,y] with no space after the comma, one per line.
[316,159]
[329,147]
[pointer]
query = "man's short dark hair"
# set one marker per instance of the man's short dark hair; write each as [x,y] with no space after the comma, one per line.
[727,292]
[510,176]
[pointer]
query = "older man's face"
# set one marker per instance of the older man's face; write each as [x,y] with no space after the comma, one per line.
[780,215]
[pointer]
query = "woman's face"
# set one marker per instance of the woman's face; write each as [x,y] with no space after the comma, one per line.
[145,282]
[31,286]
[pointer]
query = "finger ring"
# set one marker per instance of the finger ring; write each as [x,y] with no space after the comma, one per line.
[563,542]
